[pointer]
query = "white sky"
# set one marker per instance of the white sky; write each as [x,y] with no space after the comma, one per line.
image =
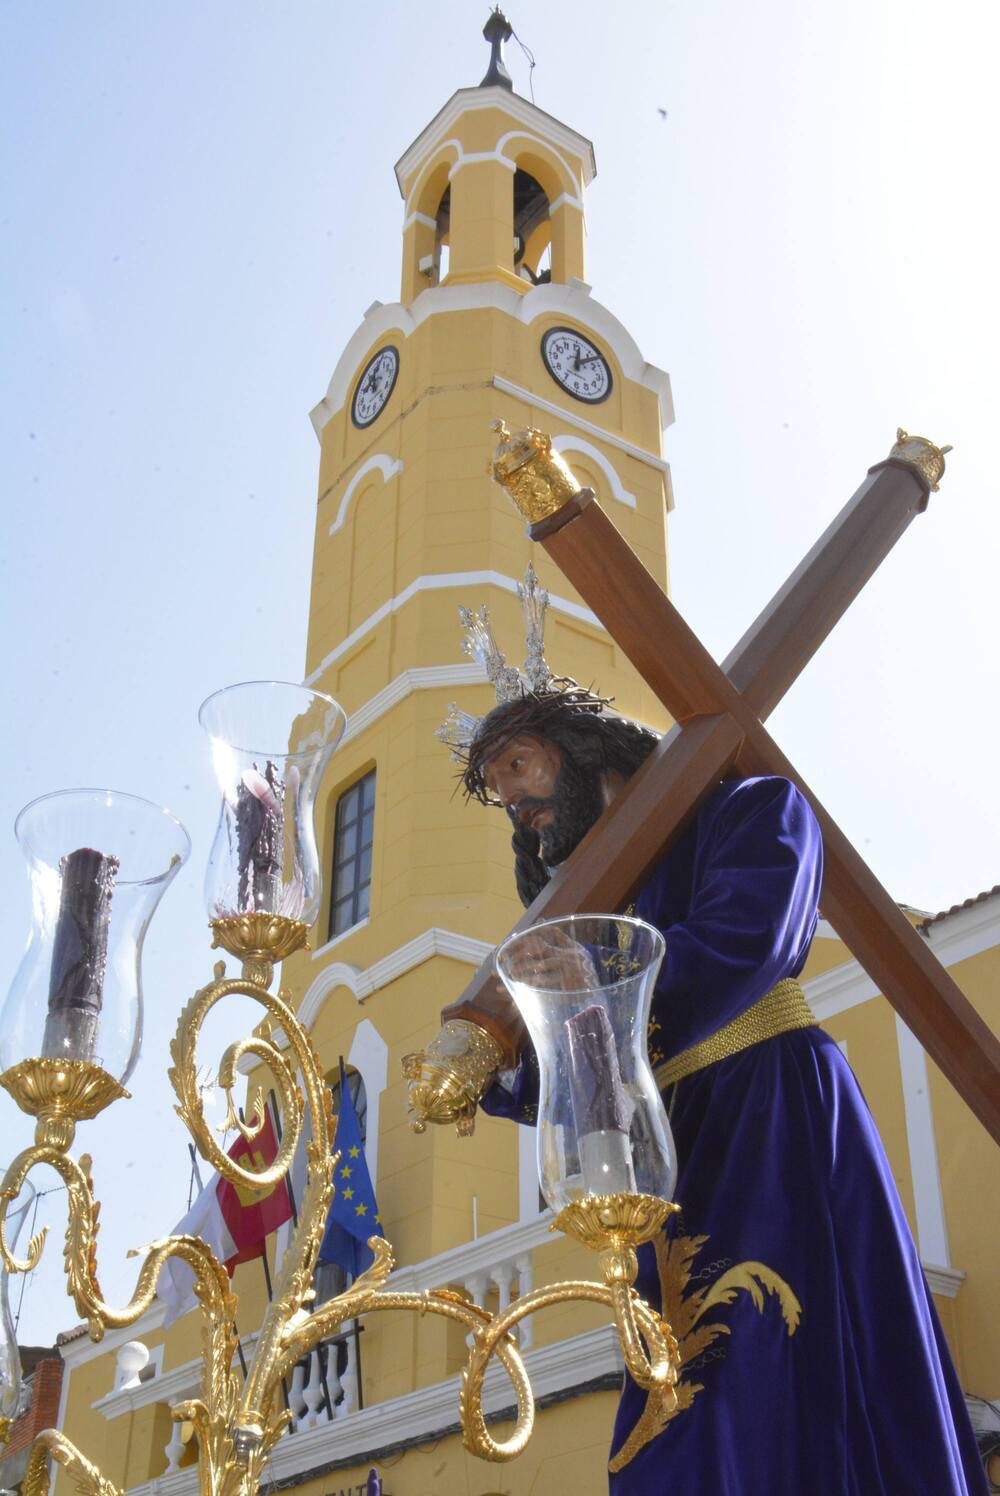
[199,205]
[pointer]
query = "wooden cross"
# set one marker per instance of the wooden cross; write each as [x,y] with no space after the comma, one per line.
[719,712]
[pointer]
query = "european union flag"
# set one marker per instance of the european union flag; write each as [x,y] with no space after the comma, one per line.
[353,1214]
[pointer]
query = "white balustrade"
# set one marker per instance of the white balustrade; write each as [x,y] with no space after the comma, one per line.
[174,1450]
[352,1391]
[315,1397]
[296,1401]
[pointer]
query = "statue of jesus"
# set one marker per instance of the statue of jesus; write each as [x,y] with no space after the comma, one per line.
[820,1366]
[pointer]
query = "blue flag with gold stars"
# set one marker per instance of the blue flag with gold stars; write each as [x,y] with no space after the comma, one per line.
[353,1214]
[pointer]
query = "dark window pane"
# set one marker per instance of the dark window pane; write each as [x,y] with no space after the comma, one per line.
[343,916]
[348,806]
[354,829]
[347,842]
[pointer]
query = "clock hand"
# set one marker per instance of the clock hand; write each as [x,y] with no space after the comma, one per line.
[592,359]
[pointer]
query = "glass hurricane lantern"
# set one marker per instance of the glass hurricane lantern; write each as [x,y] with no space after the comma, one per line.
[606,1158]
[271,742]
[99,862]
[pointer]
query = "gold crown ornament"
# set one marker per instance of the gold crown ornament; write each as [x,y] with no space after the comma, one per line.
[537,478]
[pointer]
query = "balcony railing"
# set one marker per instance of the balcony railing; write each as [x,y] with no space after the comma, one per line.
[325,1387]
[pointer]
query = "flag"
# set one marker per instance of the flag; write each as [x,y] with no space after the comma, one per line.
[353,1214]
[251,1215]
[176,1282]
[232,1220]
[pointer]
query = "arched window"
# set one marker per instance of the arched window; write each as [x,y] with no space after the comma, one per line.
[354,833]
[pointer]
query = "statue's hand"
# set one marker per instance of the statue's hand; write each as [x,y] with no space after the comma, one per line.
[447,1078]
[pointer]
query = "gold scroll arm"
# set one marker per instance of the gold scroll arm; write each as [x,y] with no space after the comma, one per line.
[636,1321]
[85,1476]
[294,1284]
[367,1295]
[184,1078]
[80,1250]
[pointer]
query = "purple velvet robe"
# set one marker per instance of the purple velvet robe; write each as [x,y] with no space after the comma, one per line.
[780,1165]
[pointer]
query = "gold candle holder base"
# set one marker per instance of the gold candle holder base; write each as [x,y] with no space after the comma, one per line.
[60,1093]
[614,1225]
[259,941]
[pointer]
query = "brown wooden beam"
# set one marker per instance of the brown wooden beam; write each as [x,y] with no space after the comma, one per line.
[774,650]
[644,623]
[616,856]
[897,958]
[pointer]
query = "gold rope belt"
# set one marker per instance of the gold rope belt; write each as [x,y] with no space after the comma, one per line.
[778,1012]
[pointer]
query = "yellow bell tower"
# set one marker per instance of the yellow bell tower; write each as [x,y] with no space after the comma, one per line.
[494,320]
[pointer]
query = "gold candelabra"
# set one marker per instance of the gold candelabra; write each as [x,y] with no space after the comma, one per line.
[238,1418]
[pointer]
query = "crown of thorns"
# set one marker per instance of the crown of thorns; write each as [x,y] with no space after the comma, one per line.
[528,700]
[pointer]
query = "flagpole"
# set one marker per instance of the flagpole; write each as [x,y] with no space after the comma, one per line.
[276,1119]
[195,1176]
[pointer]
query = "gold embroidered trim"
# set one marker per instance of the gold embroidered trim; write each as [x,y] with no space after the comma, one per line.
[684,1306]
[778,1012]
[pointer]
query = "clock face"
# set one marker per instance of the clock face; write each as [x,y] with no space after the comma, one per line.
[376,384]
[576,364]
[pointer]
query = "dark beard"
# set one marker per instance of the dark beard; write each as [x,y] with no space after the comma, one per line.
[575,802]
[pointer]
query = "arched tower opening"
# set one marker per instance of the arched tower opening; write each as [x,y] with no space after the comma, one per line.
[532,229]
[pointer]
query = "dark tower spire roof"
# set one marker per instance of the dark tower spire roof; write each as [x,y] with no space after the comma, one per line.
[497,31]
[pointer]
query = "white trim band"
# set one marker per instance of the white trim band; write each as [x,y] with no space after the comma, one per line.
[551,408]
[440,581]
[550,300]
[364,981]
[388,466]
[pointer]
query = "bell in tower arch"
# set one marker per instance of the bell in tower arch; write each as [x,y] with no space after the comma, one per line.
[532,229]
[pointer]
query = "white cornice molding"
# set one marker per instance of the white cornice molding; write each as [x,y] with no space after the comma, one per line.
[475,158]
[945,1281]
[556,299]
[168,1387]
[471,1258]
[551,131]
[75,1352]
[421,678]
[567,443]
[838,989]
[967,932]
[388,466]
[552,1369]
[363,982]
[564,197]
[542,402]
[439,581]
[954,938]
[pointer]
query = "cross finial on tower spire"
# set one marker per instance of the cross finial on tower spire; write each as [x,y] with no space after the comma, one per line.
[497,31]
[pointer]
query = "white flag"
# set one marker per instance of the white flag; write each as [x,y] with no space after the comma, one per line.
[204,1219]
